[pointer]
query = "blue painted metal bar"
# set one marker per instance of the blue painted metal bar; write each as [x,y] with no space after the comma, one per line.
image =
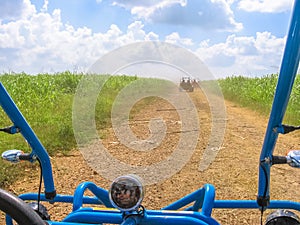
[38,149]
[208,201]
[64,223]
[100,193]
[252,204]
[286,78]
[131,221]
[94,216]
[185,200]
[175,220]
[203,198]
[196,215]
[60,198]
[150,217]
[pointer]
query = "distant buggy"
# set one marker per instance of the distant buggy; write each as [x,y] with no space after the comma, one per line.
[186,83]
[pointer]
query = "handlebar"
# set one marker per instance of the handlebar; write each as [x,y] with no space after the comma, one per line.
[15,156]
[292,158]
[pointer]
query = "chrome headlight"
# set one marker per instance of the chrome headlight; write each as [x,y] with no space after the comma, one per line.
[126,193]
[282,216]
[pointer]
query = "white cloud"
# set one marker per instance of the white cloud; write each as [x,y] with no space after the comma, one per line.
[206,14]
[45,6]
[135,30]
[151,36]
[174,38]
[265,6]
[41,42]
[258,55]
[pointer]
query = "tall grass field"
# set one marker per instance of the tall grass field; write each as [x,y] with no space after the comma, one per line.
[257,93]
[46,102]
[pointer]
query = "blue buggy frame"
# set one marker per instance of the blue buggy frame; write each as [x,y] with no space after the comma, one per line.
[199,204]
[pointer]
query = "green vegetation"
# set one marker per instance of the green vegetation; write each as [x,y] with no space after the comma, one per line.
[257,93]
[45,101]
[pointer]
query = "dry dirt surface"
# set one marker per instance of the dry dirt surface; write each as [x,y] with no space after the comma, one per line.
[234,172]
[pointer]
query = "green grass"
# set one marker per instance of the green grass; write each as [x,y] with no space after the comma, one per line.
[45,101]
[257,93]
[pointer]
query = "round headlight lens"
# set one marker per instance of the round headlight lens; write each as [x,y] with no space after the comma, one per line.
[282,216]
[126,193]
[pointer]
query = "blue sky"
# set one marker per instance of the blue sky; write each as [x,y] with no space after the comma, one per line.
[231,37]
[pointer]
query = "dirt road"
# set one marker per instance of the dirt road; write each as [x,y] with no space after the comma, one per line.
[234,171]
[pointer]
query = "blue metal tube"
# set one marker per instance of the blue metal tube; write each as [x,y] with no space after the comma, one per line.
[63,223]
[130,221]
[175,220]
[100,193]
[286,78]
[60,198]
[38,149]
[252,204]
[208,201]
[204,198]
[151,217]
[185,200]
[84,216]
[167,213]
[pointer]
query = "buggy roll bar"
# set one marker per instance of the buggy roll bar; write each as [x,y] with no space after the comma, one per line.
[21,125]
[287,74]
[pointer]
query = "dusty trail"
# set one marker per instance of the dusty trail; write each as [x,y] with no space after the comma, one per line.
[234,171]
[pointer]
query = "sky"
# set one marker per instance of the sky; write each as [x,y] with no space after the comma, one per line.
[231,37]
